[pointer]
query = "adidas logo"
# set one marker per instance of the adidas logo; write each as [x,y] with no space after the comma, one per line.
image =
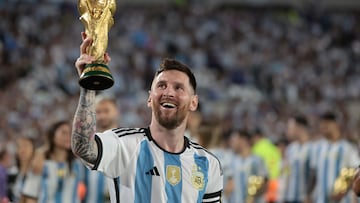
[154,172]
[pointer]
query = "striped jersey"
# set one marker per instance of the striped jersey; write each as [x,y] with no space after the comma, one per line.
[242,169]
[97,185]
[295,172]
[328,160]
[149,174]
[56,184]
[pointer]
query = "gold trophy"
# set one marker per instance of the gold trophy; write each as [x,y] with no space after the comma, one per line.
[254,185]
[97,17]
[343,181]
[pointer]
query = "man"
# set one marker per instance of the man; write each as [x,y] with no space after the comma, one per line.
[158,163]
[296,172]
[264,148]
[107,117]
[332,155]
[244,165]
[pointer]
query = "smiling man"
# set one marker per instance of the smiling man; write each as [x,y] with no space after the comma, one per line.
[157,163]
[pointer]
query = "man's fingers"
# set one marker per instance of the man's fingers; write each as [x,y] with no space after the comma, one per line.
[107,58]
[83,36]
[86,43]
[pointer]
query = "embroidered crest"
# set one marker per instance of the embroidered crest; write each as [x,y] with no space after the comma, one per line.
[173,174]
[197,178]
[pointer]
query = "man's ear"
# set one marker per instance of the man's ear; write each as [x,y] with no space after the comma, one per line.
[149,99]
[194,103]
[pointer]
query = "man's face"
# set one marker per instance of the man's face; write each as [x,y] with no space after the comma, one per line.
[291,129]
[106,114]
[327,128]
[172,98]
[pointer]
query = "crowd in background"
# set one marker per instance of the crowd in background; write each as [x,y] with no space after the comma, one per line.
[255,67]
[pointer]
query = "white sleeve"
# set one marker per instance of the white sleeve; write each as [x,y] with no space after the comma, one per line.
[214,188]
[351,156]
[114,152]
[261,169]
[31,188]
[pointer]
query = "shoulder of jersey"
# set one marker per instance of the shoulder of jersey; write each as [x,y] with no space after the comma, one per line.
[120,132]
[203,150]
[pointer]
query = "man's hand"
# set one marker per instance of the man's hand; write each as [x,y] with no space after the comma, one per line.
[356,183]
[84,57]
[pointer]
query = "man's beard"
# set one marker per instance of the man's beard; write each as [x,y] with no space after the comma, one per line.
[104,124]
[169,122]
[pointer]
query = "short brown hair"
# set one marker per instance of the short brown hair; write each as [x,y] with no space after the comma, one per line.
[172,64]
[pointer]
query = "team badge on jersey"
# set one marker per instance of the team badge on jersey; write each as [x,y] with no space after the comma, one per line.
[197,178]
[173,174]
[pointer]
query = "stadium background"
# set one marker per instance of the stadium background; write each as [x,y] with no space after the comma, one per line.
[257,62]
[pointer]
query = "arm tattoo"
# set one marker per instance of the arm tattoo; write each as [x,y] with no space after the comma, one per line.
[84,127]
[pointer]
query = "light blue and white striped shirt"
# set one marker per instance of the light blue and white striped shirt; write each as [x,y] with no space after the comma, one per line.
[56,184]
[329,159]
[149,174]
[295,172]
[242,169]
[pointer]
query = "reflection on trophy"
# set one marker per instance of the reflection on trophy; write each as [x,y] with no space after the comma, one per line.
[343,181]
[254,185]
[97,17]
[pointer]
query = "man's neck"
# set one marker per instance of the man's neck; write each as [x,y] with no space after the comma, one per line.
[102,129]
[245,152]
[303,138]
[169,140]
[60,155]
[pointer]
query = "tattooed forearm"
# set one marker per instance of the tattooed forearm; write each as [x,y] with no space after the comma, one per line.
[84,127]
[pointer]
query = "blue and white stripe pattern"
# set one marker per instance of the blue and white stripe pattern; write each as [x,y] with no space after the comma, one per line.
[329,158]
[150,174]
[296,171]
[242,169]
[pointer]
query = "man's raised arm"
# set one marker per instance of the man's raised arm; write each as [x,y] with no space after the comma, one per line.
[84,127]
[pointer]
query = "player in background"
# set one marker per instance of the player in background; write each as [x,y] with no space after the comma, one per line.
[271,155]
[55,174]
[158,163]
[98,186]
[25,149]
[296,171]
[332,155]
[244,165]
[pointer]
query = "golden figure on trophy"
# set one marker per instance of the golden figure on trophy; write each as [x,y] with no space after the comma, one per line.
[343,181]
[97,17]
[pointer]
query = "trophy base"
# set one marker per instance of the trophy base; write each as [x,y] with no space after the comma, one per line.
[96,77]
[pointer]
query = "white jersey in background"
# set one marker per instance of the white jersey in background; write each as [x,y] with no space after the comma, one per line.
[242,169]
[97,185]
[150,174]
[295,172]
[329,159]
[56,184]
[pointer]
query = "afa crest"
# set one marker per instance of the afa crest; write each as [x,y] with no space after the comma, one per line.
[197,178]
[173,174]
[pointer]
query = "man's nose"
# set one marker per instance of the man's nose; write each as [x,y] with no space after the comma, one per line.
[169,91]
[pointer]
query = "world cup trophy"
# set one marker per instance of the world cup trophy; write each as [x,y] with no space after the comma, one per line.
[97,17]
[343,181]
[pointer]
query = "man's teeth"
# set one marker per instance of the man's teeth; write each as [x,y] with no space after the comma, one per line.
[168,105]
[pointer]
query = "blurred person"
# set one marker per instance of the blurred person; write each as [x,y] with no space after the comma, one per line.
[25,149]
[218,145]
[55,174]
[332,155]
[244,165]
[157,163]
[107,117]
[356,183]
[271,155]
[296,171]
[5,162]
[193,125]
